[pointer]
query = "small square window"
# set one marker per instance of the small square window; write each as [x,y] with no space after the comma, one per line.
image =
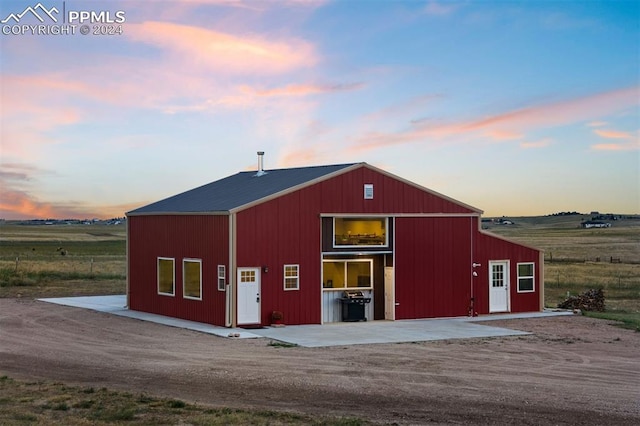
[368,191]
[291,277]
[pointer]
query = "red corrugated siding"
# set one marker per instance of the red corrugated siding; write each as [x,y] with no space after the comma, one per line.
[432,256]
[178,237]
[284,231]
[344,193]
[432,267]
[287,230]
[488,247]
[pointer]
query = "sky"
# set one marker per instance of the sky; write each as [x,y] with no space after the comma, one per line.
[516,108]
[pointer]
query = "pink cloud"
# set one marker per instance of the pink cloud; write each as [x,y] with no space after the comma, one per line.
[303,89]
[536,144]
[504,135]
[597,123]
[612,134]
[564,112]
[17,200]
[629,146]
[223,52]
[18,204]
[516,122]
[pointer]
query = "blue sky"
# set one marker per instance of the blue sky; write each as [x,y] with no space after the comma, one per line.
[517,108]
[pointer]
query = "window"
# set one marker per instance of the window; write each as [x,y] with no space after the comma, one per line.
[347,273]
[192,279]
[166,276]
[292,277]
[222,275]
[358,231]
[368,191]
[526,277]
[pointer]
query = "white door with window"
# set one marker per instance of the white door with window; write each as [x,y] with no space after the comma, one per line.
[499,286]
[248,296]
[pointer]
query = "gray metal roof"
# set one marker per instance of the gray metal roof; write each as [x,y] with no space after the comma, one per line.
[238,190]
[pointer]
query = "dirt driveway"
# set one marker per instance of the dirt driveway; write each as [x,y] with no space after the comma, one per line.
[572,370]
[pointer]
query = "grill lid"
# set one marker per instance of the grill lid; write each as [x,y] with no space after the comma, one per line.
[353,294]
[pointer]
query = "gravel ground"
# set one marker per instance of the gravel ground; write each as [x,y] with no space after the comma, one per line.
[571,370]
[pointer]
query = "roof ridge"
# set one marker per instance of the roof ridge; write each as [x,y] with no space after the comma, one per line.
[306,167]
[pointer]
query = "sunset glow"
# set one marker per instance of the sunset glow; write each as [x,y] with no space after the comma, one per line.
[507,106]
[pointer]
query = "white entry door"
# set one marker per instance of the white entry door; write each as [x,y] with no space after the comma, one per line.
[499,286]
[389,294]
[248,296]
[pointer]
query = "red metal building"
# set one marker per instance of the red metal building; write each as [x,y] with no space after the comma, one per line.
[234,251]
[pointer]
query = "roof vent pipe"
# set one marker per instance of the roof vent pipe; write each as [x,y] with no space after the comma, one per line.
[260,164]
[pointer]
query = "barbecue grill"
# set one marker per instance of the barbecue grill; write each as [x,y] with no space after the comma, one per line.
[353,304]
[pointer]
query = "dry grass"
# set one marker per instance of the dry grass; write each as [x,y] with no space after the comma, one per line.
[23,403]
[94,258]
[62,260]
[61,233]
[580,259]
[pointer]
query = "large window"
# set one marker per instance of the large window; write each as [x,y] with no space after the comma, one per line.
[222,276]
[526,277]
[359,231]
[347,273]
[291,277]
[192,278]
[166,276]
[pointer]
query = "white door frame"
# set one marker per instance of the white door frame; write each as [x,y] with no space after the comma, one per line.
[499,296]
[389,294]
[248,311]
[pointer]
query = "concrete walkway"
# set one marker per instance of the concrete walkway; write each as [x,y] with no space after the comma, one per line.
[333,334]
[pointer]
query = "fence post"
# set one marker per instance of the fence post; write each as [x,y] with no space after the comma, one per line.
[17,261]
[91,268]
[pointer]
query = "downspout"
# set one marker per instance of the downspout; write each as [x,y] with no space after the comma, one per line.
[127,266]
[231,287]
[541,279]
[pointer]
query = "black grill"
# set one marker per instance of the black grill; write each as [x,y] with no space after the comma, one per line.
[353,304]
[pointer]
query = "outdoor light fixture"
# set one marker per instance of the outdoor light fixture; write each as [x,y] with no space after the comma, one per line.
[265,269]
[475,265]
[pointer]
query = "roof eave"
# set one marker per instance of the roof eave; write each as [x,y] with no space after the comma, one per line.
[208,213]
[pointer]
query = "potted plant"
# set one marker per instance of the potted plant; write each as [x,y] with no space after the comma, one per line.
[276,318]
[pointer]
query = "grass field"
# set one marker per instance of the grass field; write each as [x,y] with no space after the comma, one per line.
[28,403]
[579,259]
[74,260]
[62,260]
